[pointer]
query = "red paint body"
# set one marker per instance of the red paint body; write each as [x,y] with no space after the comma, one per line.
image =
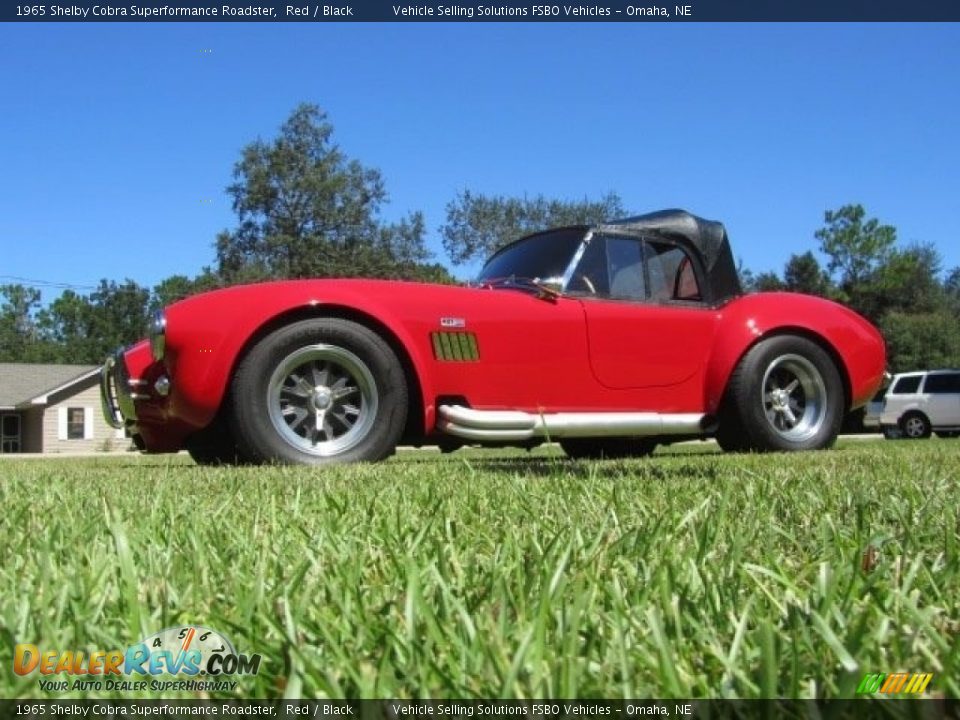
[536,354]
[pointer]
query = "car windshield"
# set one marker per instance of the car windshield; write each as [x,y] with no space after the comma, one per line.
[538,258]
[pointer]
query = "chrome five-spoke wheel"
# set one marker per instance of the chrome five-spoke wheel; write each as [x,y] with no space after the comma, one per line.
[322,399]
[794,397]
[785,394]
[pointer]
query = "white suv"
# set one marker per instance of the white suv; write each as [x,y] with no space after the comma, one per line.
[920,402]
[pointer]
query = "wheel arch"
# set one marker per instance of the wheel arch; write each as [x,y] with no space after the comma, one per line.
[416,422]
[728,361]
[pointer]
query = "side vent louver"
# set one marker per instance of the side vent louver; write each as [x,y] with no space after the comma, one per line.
[455,346]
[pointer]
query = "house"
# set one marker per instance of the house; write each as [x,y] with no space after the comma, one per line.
[52,409]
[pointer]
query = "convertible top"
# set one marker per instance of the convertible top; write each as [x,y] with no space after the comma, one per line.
[707,238]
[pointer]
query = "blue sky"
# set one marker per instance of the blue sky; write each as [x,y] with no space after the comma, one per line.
[117,140]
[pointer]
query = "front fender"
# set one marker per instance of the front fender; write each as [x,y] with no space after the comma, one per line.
[208,334]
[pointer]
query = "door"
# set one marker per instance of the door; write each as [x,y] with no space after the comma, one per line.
[10,433]
[646,325]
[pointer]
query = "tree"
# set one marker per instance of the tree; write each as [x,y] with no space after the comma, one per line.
[918,341]
[479,224]
[951,288]
[907,282]
[803,274]
[306,210]
[751,282]
[66,323]
[19,337]
[85,328]
[872,275]
[177,287]
[856,248]
[120,313]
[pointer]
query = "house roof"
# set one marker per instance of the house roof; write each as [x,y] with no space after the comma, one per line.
[31,383]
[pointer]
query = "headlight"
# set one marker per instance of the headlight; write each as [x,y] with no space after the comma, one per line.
[158,335]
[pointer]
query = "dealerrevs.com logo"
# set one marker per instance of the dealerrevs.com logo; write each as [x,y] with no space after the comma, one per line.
[187,657]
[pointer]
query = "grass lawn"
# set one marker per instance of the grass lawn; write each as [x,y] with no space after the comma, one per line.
[502,574]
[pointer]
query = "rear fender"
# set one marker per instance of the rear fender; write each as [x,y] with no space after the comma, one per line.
[855,345]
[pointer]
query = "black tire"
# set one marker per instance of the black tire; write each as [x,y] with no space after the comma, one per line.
[214,445]
[947,434]
[597,448]
[318,392]
[915,426]
[730,435]
[785,394]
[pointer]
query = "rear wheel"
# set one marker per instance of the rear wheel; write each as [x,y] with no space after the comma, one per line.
[786,394]
[915,426]
[610,448]
[317,392]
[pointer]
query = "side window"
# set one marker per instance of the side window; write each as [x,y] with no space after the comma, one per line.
[671,273]
[625,267]
[611,267]
[942,384]
[906,385]
[630,268]
[590,276]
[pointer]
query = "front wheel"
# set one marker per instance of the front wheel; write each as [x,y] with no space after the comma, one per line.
[317,392]
[786,394]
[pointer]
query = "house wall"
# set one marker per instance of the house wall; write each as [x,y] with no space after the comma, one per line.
[99,435]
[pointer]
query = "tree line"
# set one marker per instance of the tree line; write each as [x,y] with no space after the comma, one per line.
[305,209]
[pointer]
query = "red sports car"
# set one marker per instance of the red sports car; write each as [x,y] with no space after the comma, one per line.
[606,339]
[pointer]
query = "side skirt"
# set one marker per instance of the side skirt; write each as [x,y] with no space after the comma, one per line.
[507,425]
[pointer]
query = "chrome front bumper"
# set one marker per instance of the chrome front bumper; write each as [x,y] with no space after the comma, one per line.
[116,396]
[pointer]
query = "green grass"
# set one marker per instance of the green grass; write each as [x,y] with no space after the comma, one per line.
[488,573]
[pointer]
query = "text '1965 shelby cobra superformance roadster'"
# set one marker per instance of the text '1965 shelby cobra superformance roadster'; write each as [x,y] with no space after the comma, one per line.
[606,339]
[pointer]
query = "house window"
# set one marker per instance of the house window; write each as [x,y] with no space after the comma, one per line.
[75,423]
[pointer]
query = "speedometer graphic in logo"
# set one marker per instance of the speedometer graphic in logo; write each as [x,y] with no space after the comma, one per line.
[186,649]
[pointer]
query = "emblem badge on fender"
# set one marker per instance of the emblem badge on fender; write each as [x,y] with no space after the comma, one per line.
[452,322]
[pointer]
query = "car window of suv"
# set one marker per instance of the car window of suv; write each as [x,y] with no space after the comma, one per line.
[942,383]
[906,385]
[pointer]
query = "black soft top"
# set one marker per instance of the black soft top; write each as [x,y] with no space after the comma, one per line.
[706,238]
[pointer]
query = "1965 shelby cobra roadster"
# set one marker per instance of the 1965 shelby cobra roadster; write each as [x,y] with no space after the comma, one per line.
[606,339]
